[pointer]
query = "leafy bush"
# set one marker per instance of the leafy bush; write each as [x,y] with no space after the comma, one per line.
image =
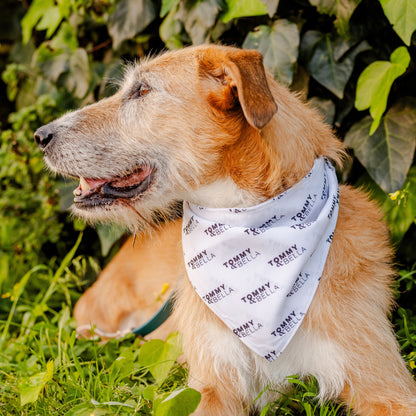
[353,60]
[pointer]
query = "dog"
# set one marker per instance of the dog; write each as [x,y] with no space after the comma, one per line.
[210,126]
[133,286]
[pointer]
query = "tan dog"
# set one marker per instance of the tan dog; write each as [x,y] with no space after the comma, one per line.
[133,286]
[201,125]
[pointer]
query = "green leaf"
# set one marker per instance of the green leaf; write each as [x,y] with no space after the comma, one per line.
[122,367]
[22,53]
[159,357]
[400,212]
[31,387]
[65,8]
[170,30]
[243,8]
[82,409]
[181,402]
[50,20]
[399,208]
[51,63]
[149,392]
[271,5]
[279,46]
[325,107]
[402,15]
[342,10]
[108,235]
[375,82]
[199,19]
[329,60]
[129,18]
[34,14]
[65,38]
[167,6]
[388,153]
[79,77]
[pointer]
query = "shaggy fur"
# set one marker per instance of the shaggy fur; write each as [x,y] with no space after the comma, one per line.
[215,129]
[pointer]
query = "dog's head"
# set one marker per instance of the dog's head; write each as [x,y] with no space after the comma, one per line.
[163,134]
[196,124]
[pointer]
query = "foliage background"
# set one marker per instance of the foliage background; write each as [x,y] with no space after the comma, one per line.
[354,60]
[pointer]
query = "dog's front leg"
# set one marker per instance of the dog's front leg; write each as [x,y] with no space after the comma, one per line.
[220,396]
[217,366]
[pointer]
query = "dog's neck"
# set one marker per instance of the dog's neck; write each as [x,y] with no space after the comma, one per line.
[256,165]
[250,171]
[223,193]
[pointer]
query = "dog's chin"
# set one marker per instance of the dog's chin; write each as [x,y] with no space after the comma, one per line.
[135,218]
[113,213]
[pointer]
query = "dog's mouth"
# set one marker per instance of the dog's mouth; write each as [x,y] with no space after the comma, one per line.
[96,191]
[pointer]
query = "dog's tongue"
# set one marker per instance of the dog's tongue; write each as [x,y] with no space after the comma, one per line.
[85,184]
[132,179]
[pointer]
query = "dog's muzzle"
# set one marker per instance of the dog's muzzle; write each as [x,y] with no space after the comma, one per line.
[96,191]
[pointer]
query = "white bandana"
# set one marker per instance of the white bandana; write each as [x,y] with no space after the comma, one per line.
[258,268]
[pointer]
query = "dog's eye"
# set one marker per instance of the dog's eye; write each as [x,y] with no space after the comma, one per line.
[141,91]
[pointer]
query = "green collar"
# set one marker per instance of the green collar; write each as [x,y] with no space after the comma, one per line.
[157,319]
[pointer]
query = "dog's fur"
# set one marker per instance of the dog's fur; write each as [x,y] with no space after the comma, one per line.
[217,130]
[133,286]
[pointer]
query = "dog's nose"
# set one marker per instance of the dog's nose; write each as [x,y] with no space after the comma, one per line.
[43,136]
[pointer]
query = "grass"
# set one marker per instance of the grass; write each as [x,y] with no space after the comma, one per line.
[46,370]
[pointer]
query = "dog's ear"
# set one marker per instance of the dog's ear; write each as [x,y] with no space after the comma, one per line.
[240,78]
